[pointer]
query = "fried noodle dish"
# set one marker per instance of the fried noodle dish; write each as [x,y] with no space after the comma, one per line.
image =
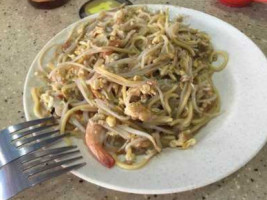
[131,82]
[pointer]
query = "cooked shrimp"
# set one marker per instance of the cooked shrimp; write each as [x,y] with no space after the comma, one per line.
[94,133]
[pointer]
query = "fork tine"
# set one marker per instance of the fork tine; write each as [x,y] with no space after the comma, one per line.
[49,175]
[34,138]
[50,158]
[39,154]
[43,143]
[16,136]
[31,172]
[17,127]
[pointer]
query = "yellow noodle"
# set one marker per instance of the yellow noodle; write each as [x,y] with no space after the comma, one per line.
[72,111]
[36,101]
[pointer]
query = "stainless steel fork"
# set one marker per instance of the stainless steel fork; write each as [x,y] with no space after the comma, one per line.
[15,141]
[35,168]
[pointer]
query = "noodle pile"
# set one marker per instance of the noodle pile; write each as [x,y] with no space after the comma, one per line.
[145,79]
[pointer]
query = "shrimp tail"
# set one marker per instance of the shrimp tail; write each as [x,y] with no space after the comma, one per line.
[105,158]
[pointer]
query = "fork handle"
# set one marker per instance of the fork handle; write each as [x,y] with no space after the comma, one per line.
[12,181]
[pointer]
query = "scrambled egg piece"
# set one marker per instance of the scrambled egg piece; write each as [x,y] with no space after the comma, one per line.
[138,111]
[47,100]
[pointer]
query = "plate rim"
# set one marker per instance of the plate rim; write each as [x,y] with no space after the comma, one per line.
[151,191]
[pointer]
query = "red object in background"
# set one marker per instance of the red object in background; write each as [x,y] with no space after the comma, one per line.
[240,3]
[236,3]
[47,4]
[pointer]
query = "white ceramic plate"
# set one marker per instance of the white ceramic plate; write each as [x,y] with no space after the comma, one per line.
[226,144]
